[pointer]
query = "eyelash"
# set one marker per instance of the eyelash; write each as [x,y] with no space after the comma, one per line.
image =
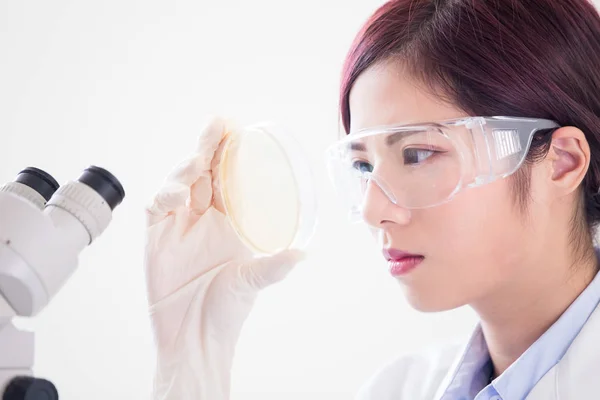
[357,164]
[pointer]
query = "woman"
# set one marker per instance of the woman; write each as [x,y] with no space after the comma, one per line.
[497,213]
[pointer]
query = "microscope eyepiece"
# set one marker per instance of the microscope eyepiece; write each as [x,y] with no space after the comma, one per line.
[40,181]
[28,387]
[44,227]
[105,184]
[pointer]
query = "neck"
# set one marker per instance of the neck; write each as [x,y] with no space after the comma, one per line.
[516,315]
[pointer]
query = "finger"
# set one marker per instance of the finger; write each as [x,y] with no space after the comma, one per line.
[166,201]
[199,164]
[266,271]
[176,191]
[203,193]
[211,137]
[216,179]
[207,184]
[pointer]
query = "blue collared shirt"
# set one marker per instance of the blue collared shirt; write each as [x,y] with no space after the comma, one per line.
[471,376]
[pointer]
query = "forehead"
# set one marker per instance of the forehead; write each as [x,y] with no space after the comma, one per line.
[386,95]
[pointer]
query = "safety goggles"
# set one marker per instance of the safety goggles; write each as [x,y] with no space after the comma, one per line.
[425,165]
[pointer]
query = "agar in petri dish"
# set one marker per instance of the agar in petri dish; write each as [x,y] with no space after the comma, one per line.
[267,190]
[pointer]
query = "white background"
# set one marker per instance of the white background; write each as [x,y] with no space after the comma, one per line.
[126,85]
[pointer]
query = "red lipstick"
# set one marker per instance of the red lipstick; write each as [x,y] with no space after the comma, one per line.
[401,262]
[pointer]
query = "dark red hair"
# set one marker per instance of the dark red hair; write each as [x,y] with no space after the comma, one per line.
[528,58]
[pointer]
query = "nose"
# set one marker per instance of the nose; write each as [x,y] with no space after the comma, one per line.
[378,209]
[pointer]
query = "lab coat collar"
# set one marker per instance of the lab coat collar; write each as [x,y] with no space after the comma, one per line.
[575,376]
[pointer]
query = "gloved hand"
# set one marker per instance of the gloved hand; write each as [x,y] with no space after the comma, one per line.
[201,279]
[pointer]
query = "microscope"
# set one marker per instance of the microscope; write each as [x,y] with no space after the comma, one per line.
[43,228]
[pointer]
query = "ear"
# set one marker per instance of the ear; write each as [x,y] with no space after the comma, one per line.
[570,158]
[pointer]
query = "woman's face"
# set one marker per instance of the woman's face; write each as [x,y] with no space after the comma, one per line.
[473,245]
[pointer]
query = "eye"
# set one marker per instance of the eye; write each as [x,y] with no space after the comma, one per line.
[362,166]
[417,156]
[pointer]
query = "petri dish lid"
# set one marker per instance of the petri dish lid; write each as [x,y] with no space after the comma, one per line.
[267,189]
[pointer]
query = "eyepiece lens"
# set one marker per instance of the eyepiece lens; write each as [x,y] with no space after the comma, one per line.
[105,183]
[40,181]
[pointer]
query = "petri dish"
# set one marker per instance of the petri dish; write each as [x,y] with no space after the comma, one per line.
[267,189]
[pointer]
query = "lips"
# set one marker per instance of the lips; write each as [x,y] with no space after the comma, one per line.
[398,255]
[400,262]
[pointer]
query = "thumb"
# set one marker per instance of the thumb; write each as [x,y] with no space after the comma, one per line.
[265,271]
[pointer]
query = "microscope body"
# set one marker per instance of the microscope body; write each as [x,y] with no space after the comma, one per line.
[43,229]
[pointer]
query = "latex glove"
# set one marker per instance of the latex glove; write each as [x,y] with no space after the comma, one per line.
[201,280]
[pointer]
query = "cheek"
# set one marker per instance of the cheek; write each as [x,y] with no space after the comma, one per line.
[471,245]
[479,232]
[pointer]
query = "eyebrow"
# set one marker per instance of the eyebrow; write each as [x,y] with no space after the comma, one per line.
[357,146]
[389,140]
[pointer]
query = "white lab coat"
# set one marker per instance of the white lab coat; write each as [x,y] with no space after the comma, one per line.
[424,377]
